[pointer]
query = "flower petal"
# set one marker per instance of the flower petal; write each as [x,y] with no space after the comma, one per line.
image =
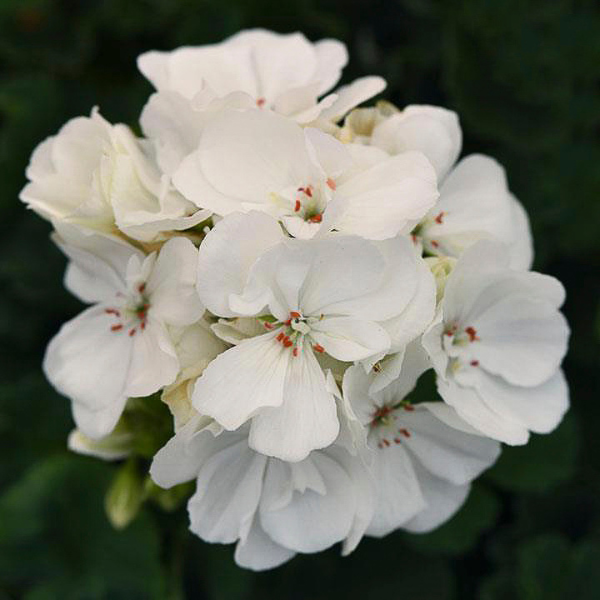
[432,130]
[227,254]
[227,494]
[259,552]
[305,421]
[349,339]
[243,380]
[312,521]
[171,285]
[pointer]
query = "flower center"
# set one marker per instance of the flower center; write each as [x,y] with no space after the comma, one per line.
[132,313]
[293,332]
[384,427]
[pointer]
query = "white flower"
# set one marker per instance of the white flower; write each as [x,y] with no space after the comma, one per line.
[341,296]
[424,457]
[272,509]
[252,160]
[282,72]
[474,202]
[497,345]
[100,176]
[120,347]
[433,130]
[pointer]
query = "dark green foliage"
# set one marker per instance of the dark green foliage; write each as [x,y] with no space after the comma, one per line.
[524,77]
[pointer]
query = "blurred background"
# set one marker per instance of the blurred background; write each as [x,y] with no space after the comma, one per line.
[524,76]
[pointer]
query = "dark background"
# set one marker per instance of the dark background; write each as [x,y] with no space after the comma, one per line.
[524,76]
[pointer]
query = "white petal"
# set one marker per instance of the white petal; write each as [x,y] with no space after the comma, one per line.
[443,499]
[311,521]
[154,362]
[327,152]
[539,408]
[245,157]
[446,452]
[474,410]
[98,262]
[388,198]
[227,254]
[182,457]
[259,552]
[352,95]
[433,130]
[521,338]
[305,421]
[344,268]
[99,423]
[349,339]
[397,493]
[418,313]
[227,494]
[171,285]
[243,380]
[81,355]
[332,57]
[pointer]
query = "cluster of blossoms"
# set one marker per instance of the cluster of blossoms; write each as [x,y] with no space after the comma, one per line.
[281,267]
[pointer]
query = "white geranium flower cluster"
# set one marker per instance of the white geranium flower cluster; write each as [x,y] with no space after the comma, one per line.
[282,267]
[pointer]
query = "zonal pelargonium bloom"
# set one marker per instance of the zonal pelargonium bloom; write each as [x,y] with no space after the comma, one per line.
[253,160]
[497,345]
[282,72]
[423,456]
[100,176]
[271,508]
[475,203]
[333,297]
[121,346]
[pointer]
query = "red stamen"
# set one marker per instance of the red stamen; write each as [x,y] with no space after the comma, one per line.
[318,348]
[316,218]
[474,363]
[298,206]
[440,218]
[414,238]
[404,432]
[132,332]
[280,337]
[287,342]
[141,287]
[434,244]
[116,327]
[409,407]
[112,311]
[295,352]
[260,102]
[397,440]
[472,333]
[143,325]
[268,325]
[288,322]
[308,191]
[386,442]
[331,183]
[295,315]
